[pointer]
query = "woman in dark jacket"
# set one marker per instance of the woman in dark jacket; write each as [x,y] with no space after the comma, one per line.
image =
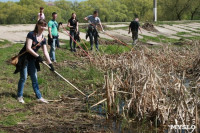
[29,63]
[73,25]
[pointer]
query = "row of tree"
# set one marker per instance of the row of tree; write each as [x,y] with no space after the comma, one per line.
[179,9]
[25,11]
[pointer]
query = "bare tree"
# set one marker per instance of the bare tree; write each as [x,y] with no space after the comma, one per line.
[195,8]
[176,8]
[181,6]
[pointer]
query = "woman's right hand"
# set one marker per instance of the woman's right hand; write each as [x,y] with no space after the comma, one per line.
[51,67]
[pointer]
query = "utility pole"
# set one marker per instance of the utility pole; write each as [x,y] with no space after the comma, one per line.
[155,10]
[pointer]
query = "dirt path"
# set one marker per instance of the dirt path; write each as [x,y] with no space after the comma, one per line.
[18,33]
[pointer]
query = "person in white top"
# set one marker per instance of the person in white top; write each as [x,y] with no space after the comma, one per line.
[41,13]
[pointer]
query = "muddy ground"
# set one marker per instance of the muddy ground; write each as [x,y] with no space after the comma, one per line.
[67,115]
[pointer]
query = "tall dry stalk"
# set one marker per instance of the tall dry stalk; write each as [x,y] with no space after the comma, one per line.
[151,83]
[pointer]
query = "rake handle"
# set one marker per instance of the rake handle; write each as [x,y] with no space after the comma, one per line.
[84,43]
[77,43]
[113,37]
[65,79]
[32,48]
[117,40]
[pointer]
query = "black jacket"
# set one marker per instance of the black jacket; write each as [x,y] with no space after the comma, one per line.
[23,60]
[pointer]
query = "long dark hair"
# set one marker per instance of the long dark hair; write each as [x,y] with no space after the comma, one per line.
[39,22]
[72,17]
[41,8]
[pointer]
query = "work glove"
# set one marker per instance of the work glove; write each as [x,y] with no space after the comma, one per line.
[51,39]
[51,67]
[39,58]
[60,23]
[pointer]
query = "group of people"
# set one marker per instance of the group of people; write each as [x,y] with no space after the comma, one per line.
[28,63]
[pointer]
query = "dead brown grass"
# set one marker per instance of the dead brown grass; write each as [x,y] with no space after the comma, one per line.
[152,83]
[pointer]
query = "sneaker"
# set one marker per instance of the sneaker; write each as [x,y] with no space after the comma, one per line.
[54,61]
[42,100]
[21,100]
[134,43]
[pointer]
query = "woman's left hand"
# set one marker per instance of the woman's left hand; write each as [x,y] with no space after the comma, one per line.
[39,58]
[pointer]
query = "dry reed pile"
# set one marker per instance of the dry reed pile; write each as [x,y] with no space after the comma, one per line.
[152,83]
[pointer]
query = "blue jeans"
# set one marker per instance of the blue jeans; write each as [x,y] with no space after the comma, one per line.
[52,53]
[57,43]
[95,35]
[32,71]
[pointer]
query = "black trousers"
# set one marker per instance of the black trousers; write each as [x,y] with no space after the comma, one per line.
[72,33]
[93,35]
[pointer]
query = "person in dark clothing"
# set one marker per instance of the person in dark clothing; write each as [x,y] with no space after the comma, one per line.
[134,27]
[73,25]
[93,20]
[28,63]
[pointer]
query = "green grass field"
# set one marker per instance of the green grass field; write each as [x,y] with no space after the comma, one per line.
[76,69]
